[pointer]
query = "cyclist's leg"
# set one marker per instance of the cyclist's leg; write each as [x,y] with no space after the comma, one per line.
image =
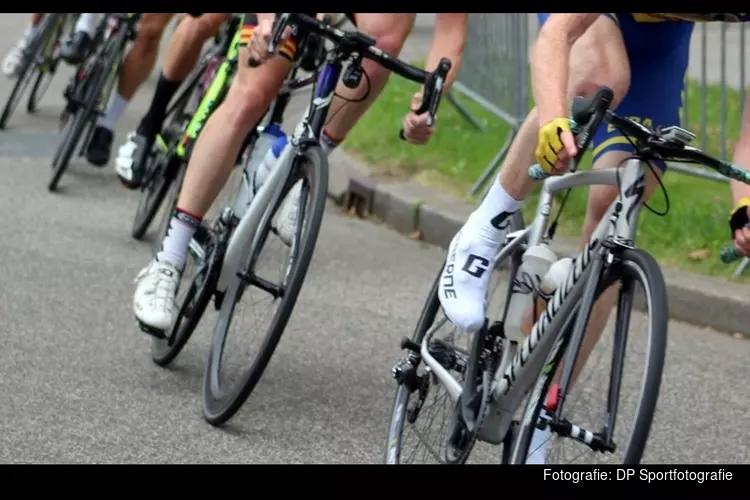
[390,32]
[212,159]
[598,58]
[137,65]
[14,57]
[74,50]
[659,56]
[181,56]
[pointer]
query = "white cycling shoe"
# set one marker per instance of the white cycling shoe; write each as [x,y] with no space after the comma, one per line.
[286,218]
[155,291]
[125,161]
[14,58]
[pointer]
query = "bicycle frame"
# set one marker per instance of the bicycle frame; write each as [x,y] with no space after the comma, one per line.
[306,133]
[211,99]
[520,366]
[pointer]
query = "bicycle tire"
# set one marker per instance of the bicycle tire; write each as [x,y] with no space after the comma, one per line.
[430,309]
[165,350]
[219,405]
[155,189]
[93,87]
[44,78]
[643,268]
[26,71]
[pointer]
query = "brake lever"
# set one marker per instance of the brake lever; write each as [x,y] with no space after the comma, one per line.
[279,25]
[431,94]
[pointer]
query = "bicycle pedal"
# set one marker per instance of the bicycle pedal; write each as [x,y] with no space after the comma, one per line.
[154,332]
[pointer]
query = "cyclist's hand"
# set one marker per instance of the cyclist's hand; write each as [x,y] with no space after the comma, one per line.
[556,146]
[258,46]
[416,130]
[738,222]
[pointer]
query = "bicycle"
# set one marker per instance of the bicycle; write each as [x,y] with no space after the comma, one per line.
[230,250]
[185,119]
[191,305]
[41,58]
[88,92]
[496,375]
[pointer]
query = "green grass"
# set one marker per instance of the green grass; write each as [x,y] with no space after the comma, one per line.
[690,236]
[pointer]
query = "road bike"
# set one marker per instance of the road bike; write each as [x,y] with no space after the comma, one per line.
[88,92]
[499,392]
[229,252]
[40,60]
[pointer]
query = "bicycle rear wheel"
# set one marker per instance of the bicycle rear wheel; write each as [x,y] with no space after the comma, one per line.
[421,400]
[630,268]
[28,66]
[93,85]
[221,398]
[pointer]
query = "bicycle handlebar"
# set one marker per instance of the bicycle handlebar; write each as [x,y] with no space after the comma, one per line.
[355,41]
[671,143]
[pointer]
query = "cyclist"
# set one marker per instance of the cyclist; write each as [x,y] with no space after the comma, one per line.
[653,51]
[14,57]
[182,55]
[136,66]
[251,92]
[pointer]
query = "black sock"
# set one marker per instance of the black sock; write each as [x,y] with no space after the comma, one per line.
[152,122]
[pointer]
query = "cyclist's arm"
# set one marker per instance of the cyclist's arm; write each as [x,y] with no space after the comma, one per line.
[549,62]
[448,41]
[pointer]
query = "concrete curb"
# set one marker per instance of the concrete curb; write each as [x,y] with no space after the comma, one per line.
[409,207]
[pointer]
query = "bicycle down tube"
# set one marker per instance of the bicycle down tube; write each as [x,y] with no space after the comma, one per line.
[307,130]
[521,366]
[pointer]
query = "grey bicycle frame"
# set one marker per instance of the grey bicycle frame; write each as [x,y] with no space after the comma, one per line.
[520,366]
[243,239]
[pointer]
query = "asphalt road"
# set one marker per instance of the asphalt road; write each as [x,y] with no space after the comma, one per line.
[78,384]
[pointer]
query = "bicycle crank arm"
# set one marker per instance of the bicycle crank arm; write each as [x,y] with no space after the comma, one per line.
[593,440]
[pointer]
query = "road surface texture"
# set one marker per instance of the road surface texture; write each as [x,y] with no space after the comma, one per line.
[78,384]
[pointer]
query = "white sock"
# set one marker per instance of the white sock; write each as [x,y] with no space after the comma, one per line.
[538,446]
[496,202]
[116,106]
[328,144]
[86,23]
[468,269]
[174,248]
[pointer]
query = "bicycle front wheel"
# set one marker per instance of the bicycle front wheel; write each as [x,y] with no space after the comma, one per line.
[629,377]
[224,394]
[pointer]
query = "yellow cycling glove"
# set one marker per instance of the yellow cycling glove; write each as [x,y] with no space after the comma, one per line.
[738,217]
[550,142]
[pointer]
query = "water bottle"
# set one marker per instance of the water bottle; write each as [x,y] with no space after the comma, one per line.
[257,157]
[535,263]
[269,161]
[554,279]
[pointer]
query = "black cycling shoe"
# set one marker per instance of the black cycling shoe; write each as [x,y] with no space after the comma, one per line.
[76,48]
[100,147]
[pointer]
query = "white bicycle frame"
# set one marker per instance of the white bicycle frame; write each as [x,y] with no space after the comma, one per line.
[520,366]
